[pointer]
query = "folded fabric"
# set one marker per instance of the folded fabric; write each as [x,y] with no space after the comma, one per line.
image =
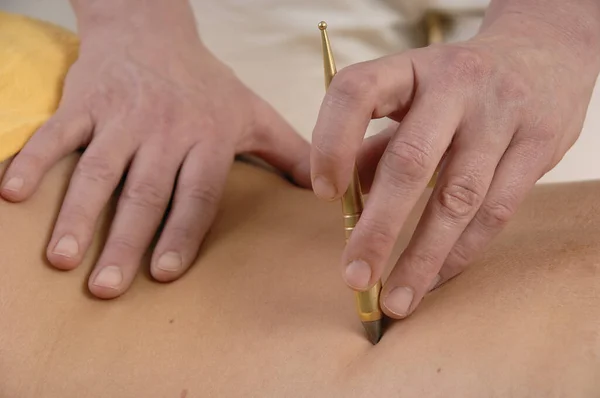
[34,59]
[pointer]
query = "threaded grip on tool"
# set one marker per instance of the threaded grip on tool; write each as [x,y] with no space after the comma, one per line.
[350,221]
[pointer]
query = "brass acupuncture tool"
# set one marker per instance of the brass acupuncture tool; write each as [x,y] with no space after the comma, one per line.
[435,32]
[367,302]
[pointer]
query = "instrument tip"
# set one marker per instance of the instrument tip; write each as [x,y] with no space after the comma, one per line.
[374,330]
[322,25]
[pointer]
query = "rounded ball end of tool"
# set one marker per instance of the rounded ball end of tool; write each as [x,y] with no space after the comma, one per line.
[322,25]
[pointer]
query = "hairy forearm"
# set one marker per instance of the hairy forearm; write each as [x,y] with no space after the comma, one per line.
[174,16]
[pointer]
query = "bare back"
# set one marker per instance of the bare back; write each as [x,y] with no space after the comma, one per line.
[264,312]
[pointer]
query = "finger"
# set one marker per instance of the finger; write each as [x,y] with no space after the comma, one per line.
[468,171]
[370,153]
[521,166]
[197,196]
[94,180]
[358,93]
[403,172]
[141,207]
[276,142]
[62,134]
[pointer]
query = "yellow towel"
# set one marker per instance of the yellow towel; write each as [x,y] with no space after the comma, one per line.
[34,59]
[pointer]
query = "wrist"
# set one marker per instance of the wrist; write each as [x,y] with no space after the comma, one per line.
[570,25]
[131,18]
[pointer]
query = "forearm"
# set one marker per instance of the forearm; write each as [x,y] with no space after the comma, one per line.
[573,24]
[174,17]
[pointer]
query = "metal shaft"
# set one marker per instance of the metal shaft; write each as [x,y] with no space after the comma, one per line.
[367,302]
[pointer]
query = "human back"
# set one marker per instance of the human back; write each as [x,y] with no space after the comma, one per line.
[260,313]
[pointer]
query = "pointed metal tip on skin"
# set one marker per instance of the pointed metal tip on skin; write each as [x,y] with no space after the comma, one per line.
[374,331]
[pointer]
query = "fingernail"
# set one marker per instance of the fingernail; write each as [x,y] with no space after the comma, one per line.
[14,184]
[67,246]
[398,301]
[323,188]
[434,283]
[358,274]
[110,277]
[170,262]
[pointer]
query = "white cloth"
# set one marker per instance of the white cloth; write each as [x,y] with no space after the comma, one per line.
[274,46]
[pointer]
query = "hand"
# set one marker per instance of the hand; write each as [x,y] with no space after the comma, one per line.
[503,108]
[156,102]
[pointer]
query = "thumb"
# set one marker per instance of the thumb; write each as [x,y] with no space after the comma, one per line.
[276,142]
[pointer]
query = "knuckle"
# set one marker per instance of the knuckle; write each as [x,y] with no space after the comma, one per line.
[146,195]
[96,169]
[377,237]
[181,234]
[76,214]
[123,244]
[496,213]
[207,195]
[407,162]
[54,130]
[331,151]
[529,151]
[353,83]
[467,63]
[459,198]
[166,116]
[458,258]
[512,89]
[29,159]
[541,137]
[422,264]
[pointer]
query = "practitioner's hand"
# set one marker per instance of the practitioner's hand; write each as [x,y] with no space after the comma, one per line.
[506,105]
[146,96]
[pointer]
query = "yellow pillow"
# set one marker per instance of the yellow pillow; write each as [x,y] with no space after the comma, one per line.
[34,59]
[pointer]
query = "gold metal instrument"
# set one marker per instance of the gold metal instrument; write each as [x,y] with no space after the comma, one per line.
[367,302]
[434,25]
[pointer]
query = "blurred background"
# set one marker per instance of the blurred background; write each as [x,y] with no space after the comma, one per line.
[274,47]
